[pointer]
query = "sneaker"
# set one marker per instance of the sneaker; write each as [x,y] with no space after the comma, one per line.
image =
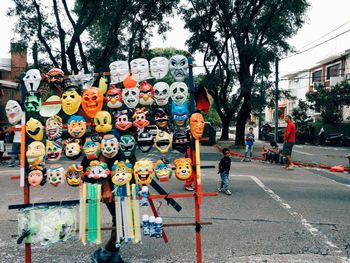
[228,192]
[221,190]
[189,188]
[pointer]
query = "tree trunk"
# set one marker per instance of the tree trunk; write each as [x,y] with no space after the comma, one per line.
[242,117]
[225,129]
[259,125]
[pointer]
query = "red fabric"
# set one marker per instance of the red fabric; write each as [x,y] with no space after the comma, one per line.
[190,180]
[292,132]
[202,99]
[338,168]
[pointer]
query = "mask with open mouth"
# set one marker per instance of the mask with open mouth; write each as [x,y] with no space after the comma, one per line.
[53,127]
[145,141]
[131,96]
[35,129]
[109,146]
[32,103]
[161,117]
[163,170]
[92,149]
[180,114]
[74,174]
[161,93]
[14,112]
[143,172]
[76,126]
[55,175]
[181,140]
[178,66]
[54,150]
[123,120]
[127,146]
[97,170]
[140,118]
[32,80]
[179,92]
[163,141]
[183,168]
[121,172]
[92,101]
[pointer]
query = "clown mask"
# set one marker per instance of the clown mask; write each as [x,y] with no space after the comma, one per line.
[53,127]
[140,119]
[32,103]
[92,101]
[103,122]
[163,170]
[36,177]
[197,125]
[55,175]
[180,114]
[54,150]
[114,98]
[145,141]
[121,172]
[131,96]
[161,93]
[92,149]
[181,140]
[163,141]
[97,170]
[35,153]
[55,77]
[14,112]
[123,119]
[109,146]
[143,172]
[32,80]
[140,69]
[35,129]
[71,100]
[178,66]
[146,93]
[179,92]
[127,146]
[118,69]
[76,126]
[161,117]
[159,67]
[74,174]
[183,168]
[72,149]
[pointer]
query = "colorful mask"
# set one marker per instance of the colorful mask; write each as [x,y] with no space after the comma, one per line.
[146,93]
[72,149]
[97,170]
[131,96]
[123,119]
[143,172]
[76,126]
[180,113]
[35,129]
[181,140]
[183,168]
[197,125]
[114,98]
[35,153]
[179,92]
[85,80]
[178,66]
[32,103]
[127,146]
[92,101]
[74,174]
[145,141]
[36,177]
[163,141]
[54,150]
[163,170]
[53,127]
[51,109]
[140,69]
[161,117]
[92,149]
[55,175]
[32,80]
[140,119]
[71,100]
[109,146]
[14,112]
[159,67]
[118,69]
[161,93]
[103,122]
[55,77]
[121,172]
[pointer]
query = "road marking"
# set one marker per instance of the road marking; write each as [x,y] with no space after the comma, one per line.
[330,174]
[297,151]
[314,231]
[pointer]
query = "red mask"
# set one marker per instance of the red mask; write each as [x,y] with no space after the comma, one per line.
[123,119]
[114,99]
[146,93]
[140,119]
[92,101]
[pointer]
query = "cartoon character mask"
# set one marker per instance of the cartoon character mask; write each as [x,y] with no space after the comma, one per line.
[50,110]
[127,146]
[140,69]
[183,168]
[97,170]
[121,172]
[35,153]
[145,141]
[161,93]
[131,96]
[55,175]
[103,122]
[118,69]
[140,119]
[54,150]
[161,117]
[71,100]
[197,125]
[36,177]
[55,77]
[123,119]
[178,66]
[181,140]
[179,92]
[35,129]
[14,112]
[143,172]
[74,174]
[32,80]
[146,93]
[163,141]
[76,126]
[84,80]
[180,113]
[114,98]
[109,146]
[159,67]
[163,170]
[32,103]
[53,127]
[92,149]
[92,101]
[72,149]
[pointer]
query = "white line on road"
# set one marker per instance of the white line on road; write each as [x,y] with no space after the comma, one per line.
[297,151]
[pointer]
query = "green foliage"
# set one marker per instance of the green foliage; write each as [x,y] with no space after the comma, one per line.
[212,116]
[299,113]
[18,47]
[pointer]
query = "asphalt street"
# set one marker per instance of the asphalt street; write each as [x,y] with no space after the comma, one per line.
[273,215]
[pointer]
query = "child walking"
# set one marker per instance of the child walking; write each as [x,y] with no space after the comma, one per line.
[224,169]
[249,142]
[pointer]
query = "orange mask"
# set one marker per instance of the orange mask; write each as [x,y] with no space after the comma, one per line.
[197,125]
[92,101]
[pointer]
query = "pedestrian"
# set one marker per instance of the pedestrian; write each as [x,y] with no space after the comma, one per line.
[2,144]
[288,141]
[265,153]
[249,142]
[16,144]
[224,170]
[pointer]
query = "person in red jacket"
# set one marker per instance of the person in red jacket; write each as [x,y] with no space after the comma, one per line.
[289,140]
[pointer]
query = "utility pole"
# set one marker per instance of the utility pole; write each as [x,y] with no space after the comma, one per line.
[276,101]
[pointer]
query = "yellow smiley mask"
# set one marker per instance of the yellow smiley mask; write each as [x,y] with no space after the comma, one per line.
[35,129]
[103,122]
[70,101]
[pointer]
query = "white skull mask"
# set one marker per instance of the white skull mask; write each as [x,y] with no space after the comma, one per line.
[159,67]
[179,92]
[140,69]
[14,112]
[178,66]
[118,69]
[131,97]
[32,80]
[161,93]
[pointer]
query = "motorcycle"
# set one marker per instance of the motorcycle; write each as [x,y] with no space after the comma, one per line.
[331,139]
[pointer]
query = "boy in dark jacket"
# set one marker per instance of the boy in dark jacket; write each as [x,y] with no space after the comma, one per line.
[224,169]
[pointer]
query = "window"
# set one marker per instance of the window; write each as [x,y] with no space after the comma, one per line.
[317,76]
[333,71]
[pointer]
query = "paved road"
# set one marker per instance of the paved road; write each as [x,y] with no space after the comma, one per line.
[273,215]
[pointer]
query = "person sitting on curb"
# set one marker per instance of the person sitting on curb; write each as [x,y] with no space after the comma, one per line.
[265,153]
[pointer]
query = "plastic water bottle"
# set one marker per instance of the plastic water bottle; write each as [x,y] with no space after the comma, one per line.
[159,227]
[144,195]
[145,224]
[152,226]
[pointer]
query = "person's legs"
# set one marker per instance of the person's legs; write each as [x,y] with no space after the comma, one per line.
[250,151]
[14,153]
[188,183]
[245,152]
